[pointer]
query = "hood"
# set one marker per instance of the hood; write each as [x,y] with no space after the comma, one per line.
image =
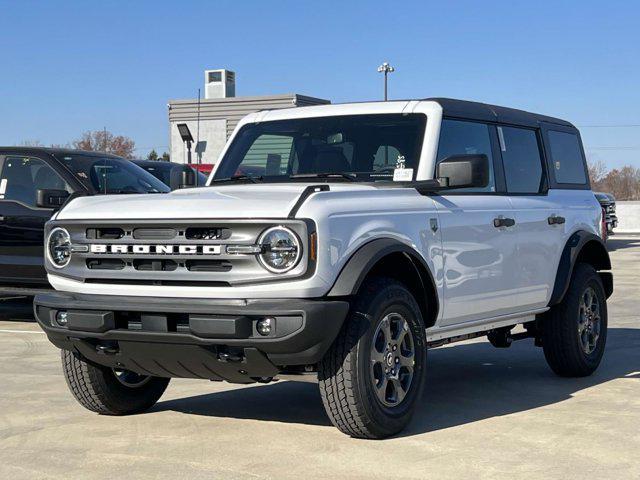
[228,201]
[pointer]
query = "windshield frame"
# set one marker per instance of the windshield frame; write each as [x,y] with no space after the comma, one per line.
[414,144]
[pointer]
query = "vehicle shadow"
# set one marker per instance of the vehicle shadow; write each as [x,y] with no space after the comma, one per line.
[465,383]
[16,309]
[614,243]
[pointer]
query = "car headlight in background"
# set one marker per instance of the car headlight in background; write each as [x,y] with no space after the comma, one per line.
[59,247]
[281,249]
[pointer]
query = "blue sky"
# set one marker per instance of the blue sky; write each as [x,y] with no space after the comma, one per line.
[68,67]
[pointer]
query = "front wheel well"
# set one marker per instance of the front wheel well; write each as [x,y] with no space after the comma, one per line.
[409,271]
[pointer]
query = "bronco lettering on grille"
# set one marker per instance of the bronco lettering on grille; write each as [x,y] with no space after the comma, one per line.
[156,249]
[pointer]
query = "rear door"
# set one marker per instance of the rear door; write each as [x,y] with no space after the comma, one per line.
[21,221]
[480,264]
[539,218]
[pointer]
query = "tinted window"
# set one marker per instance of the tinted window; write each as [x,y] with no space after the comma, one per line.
[353,144]
[521,158]
[466,138]
[112,175]
[567,158]
[22,177]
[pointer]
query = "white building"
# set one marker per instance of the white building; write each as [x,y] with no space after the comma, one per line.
[218,114]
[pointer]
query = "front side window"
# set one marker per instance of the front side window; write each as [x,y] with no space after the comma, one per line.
[566,156]
[111,175]
[521,158]
[466,138]
[365,147]
[22,177]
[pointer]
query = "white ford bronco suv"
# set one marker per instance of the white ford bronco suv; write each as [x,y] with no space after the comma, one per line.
[343,241]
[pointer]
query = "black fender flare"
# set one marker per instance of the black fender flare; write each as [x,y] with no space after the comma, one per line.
[598,256]
[364,259]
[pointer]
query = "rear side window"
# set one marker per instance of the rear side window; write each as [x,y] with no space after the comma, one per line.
[521,158]
[466,138]
[566,154]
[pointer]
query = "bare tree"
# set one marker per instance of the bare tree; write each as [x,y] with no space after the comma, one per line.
[105,141]
[31,143]
[597,173]
[624,183]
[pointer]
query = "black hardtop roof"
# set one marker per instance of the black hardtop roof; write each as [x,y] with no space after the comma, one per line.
[493,113]
[55,151]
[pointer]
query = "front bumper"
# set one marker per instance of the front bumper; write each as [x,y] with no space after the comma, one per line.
[193,338]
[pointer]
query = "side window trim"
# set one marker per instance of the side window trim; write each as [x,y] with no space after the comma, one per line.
[545,128]
[498,167]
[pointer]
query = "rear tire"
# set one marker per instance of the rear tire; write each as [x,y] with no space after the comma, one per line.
[574,332]
[373,375]
[107,392]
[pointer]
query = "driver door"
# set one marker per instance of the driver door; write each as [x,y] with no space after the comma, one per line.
[21,220]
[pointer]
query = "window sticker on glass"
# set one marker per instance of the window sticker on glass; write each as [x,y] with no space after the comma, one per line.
[3,187]
[400,173]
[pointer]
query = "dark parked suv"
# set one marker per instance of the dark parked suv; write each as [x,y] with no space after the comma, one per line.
[34,182]
[174,175]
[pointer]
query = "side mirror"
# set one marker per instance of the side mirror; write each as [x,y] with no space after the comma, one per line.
[464,171]
[49,198]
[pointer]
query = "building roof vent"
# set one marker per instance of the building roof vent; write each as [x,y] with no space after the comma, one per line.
[219,84]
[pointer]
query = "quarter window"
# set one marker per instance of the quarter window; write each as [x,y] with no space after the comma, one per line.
[466,138]
[521,158]
[22,177]
[566,155]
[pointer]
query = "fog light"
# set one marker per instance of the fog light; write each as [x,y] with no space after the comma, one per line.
[265,325]
[61,318]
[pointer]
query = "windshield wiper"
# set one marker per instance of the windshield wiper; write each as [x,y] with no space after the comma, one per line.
[236,178]
[347,176]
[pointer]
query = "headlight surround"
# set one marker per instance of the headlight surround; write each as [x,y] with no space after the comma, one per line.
[59,247]
[281,249]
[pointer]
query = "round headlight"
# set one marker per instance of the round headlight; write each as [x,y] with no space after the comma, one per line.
[281,250]
[59,247]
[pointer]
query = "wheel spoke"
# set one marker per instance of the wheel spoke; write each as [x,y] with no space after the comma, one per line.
[376,356]
[407,361]
[399,392]
[386,330]
[381,389]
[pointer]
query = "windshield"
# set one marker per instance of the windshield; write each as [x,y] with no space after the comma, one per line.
[365,147]
[111,175]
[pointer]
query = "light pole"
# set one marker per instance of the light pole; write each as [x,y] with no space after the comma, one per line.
[386,69]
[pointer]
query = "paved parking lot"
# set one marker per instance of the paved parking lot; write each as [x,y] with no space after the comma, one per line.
[487,413]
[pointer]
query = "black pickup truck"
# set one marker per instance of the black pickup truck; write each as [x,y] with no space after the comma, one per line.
[34,182]
[608,204]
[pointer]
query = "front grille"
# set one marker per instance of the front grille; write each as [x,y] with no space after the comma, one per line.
[172,253]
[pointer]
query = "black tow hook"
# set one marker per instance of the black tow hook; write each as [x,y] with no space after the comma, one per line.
[107,349]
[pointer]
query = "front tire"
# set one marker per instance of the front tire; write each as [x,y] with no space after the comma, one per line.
[107,391]
[373,374]
[574,332]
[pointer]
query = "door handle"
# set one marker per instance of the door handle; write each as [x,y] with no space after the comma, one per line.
[503,222]
[555,220]
[2,218]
